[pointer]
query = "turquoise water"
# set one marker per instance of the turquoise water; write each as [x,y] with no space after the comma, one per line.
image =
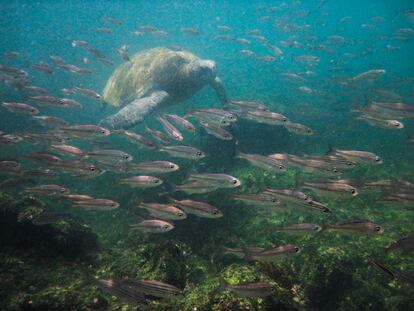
[50,267]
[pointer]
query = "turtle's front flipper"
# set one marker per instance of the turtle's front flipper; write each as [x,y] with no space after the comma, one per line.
[218,86]
[135,112]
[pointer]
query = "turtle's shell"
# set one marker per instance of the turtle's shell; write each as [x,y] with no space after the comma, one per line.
[146,72]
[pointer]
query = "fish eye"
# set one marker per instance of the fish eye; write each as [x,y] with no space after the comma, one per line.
[335,170]
[126,156]
[92,168]
[273,200]
[377,159]
[165,227]
[281,167]
[112,204]
[296,249]
[215,212]
[234,181]
[171,166]
[273,288]
[377,228]
[156,181]
[62,190]
[284,119]
[397,124]
[199,153]
[316,228]
[180,214]
[353,191]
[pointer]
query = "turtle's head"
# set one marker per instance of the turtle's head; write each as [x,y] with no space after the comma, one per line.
[202,71]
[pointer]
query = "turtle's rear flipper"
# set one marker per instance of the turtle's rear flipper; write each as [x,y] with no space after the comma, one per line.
[135,112]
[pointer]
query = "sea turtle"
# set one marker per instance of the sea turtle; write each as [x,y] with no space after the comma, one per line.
[155,78]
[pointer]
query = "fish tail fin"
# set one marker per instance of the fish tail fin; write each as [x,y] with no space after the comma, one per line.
[171,200]
[331,149]
[222,286]
[299,182]
[247,254]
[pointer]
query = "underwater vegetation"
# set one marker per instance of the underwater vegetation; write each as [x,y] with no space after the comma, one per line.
[203,155]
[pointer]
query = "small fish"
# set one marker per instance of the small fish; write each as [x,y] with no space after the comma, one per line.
[242,41]
[119,289]
[224,37]
[297,199]
[43,157]
[241,252]
[182,122]
[46,99]
[122,51]
[21,107]
[77,197]
[266,59]
[85,131]
[171,130]
[382,123]
[264,162]
[215,180]
[43,67]
[186,152]
[67,102]
[356,226]
[97,204]
[67,149]
[302,228]
[112,20]
[159,33]
[277,51]
[158,135]
[369,75]
[159,167]
[214,114]
[141,140]
[141,181]
[216,131]
[105,30]
[9,167]
[272,254]
[155,288]
[200,209]
[40,173]
[110,155]
[50,121]
[50,190]
[78,168]
[8,139]
[259,199]
[247,53]
[258,289]
[357,156]
[137,33]
[298,128]
[35,89]
[163,211]
[406,245]
[88,93]
[224,28]
[190,31]
[45,138]
[153,226]
[11,54]
[248,105]
[332,188]
[46,218]
[266,117]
